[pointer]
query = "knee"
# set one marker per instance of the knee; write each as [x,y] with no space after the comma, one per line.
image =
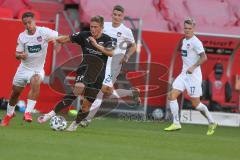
[171,97]
[36,80]
[107,90]
[78,89]
[195,103]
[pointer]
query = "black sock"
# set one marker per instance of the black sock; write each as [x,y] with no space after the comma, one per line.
[81,116]
[67,101]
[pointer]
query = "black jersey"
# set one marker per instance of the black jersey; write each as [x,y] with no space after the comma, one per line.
[82,38]
[91,71]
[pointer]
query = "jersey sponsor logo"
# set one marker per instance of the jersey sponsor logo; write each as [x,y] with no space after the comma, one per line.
[92,51]
[34,49]
[39,39]
[184,53]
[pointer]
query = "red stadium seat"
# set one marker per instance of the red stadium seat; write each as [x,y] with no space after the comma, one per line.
[152,19]
[216,13]
[6,13]
[219,88]
[15,6]
[71,1]
[23,10]
[234,4]
[173,11]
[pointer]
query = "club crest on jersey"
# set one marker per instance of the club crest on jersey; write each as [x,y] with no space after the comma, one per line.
[39,39]
[101,43]
[119,34]
[188,46]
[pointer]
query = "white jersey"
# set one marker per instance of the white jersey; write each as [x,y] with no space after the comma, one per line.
[121,35]
[190,51]
[35,46]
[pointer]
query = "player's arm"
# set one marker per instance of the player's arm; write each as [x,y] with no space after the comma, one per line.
[131,50]
[63,39]
[201,60]
[20,54]
[105,50]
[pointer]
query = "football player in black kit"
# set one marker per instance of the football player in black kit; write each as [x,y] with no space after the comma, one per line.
[96,47]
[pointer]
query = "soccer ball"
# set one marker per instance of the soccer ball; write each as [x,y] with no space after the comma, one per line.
[58,123]
[157,114]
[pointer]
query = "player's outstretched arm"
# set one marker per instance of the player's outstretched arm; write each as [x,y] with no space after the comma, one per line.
[63,39]
[131,51]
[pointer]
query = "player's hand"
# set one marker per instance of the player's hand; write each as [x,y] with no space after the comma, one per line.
[190,70]
[22,55]
[93,41]
[124,59]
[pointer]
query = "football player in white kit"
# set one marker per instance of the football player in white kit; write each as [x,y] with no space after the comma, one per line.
[123,36]
[31,49]
[190,78]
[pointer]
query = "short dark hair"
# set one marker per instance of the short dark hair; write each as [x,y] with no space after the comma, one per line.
[28,14]
[98,19]
[118,8]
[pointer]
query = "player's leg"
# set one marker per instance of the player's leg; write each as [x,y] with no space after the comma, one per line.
[196,103]
[33,95]
[172,101]
[194,89]
[178,88]
[16,92]
[133,92]
[64,103]
[80,116]
[93,110]
[68,98]
[19,83]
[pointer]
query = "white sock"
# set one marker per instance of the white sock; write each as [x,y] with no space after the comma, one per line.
[51,113]
[30,105]
[174,109]
[204,111]
[95,106]
[10,109]
[120,93]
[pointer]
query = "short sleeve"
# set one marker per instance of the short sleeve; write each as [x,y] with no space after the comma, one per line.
[129,36]
[110,44]
[50,34]
[20,45]
[77,38]
[198,47]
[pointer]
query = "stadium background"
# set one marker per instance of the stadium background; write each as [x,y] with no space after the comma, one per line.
[157,26]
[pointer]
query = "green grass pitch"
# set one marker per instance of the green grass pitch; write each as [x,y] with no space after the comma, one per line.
[113,139]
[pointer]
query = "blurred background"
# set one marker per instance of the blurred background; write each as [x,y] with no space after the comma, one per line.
[157,26]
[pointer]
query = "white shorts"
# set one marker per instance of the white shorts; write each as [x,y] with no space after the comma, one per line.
[188,82]
[113,69]
[23,76]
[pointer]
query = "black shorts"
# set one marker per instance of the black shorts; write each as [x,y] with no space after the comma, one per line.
[92,78]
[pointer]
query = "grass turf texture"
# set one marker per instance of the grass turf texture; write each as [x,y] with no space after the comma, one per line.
[112,139]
